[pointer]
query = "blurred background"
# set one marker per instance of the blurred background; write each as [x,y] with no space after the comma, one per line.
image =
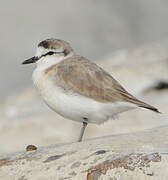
[126,37]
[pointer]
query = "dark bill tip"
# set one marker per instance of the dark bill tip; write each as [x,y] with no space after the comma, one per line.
[31,60]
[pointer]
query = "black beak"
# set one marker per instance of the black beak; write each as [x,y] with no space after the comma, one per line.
[31,60]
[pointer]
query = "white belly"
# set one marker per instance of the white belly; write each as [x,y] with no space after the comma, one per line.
[76,107]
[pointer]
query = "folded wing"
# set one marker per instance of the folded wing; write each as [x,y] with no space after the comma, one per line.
[78,75]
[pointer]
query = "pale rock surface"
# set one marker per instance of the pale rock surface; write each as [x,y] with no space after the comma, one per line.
[25,119]
[133,156]
[140,67]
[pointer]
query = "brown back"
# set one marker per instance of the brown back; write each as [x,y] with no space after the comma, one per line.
[79,75]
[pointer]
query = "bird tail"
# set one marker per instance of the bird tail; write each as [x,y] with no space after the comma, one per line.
[147,106]
[139,103]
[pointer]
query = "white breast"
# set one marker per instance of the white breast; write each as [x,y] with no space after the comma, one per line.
[73,106]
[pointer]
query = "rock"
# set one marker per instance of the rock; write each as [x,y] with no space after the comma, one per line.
[129,156]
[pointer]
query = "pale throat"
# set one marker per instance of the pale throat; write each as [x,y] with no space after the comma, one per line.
[48,61]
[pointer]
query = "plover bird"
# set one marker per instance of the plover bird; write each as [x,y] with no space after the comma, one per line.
[77,88]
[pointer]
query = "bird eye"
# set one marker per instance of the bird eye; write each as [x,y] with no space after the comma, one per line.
[50,53]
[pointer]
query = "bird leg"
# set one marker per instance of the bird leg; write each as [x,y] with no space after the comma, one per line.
[82,130]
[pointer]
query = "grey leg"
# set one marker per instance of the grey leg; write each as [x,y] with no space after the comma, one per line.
[82,131]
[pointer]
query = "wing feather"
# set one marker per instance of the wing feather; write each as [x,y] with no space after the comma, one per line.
[79,75]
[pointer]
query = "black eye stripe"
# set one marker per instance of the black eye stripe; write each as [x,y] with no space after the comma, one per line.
[50,53]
